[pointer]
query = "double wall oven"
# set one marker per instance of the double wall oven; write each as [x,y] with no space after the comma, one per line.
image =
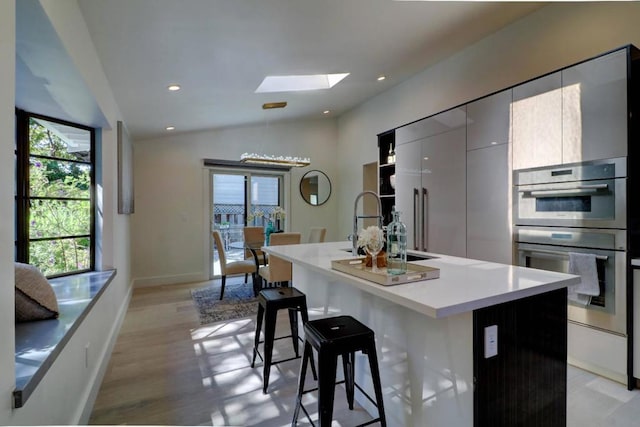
[578,208]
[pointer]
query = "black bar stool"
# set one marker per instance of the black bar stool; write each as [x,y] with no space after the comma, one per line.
[269,302]
[333,337]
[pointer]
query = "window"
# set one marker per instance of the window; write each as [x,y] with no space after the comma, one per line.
[54,194]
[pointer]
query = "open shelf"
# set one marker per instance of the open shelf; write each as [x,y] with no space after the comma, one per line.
[386,170]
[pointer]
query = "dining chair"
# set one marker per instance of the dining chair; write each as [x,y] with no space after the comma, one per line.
[316,235]
[278,270]
[232,268]
[254,234]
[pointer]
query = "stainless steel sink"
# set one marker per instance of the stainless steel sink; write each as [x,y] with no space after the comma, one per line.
[410,257]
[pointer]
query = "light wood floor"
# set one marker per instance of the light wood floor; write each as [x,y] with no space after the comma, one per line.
[166,369]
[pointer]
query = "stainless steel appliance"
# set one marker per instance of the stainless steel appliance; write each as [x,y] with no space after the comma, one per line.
[589,194]
[577,208]
[548,248]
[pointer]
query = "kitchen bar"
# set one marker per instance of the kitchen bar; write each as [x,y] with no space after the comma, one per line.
[431,335]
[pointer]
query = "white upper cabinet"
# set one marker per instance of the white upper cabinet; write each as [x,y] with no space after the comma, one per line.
[408,190]
[537,122]
[489,120]
[489,204]
[574,115]
[444,199]
[431,188]
[442,122]
[488,178]
[594,109]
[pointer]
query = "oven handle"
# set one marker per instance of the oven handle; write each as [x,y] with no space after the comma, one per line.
[558,254]
[578,189]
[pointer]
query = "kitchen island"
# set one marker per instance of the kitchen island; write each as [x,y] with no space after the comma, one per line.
[435,367]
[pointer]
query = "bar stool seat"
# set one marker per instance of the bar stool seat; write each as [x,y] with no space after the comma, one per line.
[333,337]
[269,302]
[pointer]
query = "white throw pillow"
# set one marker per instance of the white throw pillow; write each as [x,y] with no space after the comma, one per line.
[35,298]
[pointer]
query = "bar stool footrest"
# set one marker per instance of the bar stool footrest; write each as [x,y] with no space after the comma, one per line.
[311,390]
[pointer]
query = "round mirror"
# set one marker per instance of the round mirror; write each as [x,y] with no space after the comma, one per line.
[315,187]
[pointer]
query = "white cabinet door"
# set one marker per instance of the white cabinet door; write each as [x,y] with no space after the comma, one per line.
[489,120]
[489,205]
[537,122]
[442,122]
[594,109]
[444,193]
[408,185]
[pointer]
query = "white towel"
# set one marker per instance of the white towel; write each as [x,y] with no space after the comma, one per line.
[583,265]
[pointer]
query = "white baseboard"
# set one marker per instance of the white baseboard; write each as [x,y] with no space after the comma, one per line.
[142,282]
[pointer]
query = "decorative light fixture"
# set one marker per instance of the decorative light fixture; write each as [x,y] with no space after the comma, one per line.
[267,159]
[272,105]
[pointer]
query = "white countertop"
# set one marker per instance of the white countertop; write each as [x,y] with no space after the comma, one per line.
[464,284]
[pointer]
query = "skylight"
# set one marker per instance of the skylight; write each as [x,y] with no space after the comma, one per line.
[299,83]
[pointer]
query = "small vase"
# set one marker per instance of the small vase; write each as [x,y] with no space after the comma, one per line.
[267,232]
[381,258]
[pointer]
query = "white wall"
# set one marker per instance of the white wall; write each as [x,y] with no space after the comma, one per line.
[170,226]
[66,394]
[553,37]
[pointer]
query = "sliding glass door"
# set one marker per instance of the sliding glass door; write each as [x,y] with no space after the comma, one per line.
[239,199]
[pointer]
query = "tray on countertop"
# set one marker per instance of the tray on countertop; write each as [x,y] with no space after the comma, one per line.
[356,267]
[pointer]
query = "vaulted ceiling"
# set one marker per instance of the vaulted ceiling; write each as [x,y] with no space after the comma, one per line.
[219,51]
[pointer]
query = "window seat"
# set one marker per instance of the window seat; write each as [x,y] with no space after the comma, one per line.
[39,343]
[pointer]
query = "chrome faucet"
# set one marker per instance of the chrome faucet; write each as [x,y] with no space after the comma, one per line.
[354,236]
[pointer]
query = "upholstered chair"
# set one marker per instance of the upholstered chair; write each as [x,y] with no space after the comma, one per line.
[279,270]
[316,234]
[232,268]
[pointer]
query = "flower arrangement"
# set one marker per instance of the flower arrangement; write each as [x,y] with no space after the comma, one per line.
[369,236]
[254,215]
[277,214]
[368,239]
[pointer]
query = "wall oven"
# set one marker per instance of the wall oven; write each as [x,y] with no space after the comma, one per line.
[589,194]
[548,248]
[580,208]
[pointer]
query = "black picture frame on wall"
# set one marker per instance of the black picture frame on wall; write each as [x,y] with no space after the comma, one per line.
[125,171]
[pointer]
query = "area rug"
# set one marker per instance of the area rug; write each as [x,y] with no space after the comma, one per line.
[238,301]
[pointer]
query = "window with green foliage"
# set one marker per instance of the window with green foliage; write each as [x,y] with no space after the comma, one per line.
[54,194]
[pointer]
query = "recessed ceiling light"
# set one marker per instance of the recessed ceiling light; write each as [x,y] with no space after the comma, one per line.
[326,112]
[173,88]
[381,78]
[299,83]
[170,128]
